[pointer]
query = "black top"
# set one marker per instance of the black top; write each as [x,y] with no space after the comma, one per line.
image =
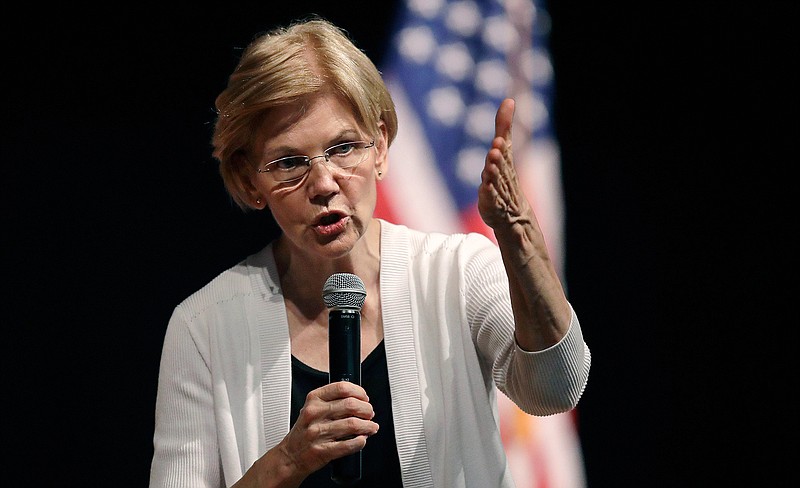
[380,465]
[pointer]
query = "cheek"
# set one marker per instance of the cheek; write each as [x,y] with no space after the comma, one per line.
[366,199]
[285,218]
[260,184]
[282,204]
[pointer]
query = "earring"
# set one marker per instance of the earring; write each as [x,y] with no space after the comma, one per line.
[380,173]
[258,201]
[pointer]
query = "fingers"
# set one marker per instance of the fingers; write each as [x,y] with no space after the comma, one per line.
[339,389]
[498,175]
[340,400]
[504,119]
[500,198]
[335,420]
[499,160]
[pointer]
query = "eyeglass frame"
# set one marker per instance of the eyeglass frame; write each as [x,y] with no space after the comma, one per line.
[264,167]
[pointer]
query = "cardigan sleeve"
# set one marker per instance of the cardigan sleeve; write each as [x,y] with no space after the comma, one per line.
[186,453]
[552,380]
[541,383]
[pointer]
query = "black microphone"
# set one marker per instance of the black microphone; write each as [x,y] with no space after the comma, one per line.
[344,295]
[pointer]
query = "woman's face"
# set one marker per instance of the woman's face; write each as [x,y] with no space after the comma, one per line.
[328,210]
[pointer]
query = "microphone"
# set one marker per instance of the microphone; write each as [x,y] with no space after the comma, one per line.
[344,295]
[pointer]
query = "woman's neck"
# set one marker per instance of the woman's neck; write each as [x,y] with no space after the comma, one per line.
[303,275]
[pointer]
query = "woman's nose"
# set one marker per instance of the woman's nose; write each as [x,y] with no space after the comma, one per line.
[321,177]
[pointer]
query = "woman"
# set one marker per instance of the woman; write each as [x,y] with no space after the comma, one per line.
[303,130]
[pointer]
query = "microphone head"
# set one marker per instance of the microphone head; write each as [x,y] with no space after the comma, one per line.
[344,290]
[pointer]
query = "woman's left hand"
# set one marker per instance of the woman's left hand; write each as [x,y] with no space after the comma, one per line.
[501,201]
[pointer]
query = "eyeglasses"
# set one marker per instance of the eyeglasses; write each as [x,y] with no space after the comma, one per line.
[341,156]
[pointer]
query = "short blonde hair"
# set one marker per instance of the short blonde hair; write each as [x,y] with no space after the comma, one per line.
[284,66]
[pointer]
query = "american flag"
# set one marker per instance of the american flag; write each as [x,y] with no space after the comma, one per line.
[449,65]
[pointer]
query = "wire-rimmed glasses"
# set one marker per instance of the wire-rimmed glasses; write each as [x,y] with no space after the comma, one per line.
[341,156]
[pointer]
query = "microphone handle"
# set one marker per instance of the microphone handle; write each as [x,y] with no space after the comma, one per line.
[344,358]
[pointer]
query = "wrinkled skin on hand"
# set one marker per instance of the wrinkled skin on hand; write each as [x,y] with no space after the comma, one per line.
[501,202]
[336,420]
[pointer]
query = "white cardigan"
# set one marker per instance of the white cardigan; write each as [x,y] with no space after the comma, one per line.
[225,379]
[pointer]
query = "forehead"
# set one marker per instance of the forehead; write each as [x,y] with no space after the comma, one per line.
[311,120]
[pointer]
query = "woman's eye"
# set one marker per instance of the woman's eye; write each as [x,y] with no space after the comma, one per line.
[286,164]
[341,149]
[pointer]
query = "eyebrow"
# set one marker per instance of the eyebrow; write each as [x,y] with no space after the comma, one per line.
[288,151]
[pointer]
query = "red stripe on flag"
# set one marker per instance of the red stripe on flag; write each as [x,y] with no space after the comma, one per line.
[471,221]
[383,207]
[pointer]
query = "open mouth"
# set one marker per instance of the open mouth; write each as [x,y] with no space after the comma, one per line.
[330,219]
[331,224]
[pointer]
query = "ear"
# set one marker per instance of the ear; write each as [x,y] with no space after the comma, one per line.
[248,192]
[382,146]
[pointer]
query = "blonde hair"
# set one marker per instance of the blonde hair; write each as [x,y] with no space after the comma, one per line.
[284,66]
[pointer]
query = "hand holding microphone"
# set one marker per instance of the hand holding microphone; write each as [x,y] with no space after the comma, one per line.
[332,428]
[344,295]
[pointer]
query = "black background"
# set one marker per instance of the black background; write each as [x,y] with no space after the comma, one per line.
[676,121]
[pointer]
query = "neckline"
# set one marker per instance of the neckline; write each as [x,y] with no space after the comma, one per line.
[367,363]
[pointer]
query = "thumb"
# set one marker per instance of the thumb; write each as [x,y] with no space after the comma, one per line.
[504,119]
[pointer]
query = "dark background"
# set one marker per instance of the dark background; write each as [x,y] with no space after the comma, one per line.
[677,123]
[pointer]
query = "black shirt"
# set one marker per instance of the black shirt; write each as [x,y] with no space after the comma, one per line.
[380,465]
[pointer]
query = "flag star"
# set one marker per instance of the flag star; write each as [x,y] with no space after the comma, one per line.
[492,78]
[463,18]
[455,61]
[445,105]
[469,165]
[427,9]
[480,122]
[500,34]
[416,44]
[532,111]
[536,67]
